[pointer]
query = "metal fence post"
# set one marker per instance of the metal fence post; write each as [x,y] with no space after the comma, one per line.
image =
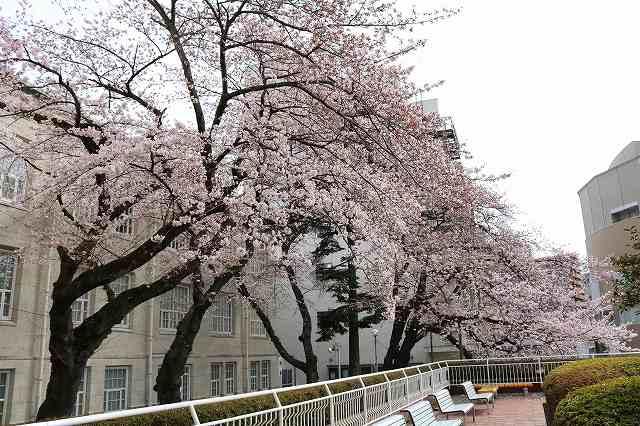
[388,390]
[540,370]
[332,413]
[364,400]
[279,406]
[194,415]
[488,373]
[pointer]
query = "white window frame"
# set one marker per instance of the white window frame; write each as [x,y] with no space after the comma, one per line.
[216,378]
[6,381]
[223,378]
[80,407]
[179,243]
[221,316]
[265,374]
[15,168]
[290,373]
[230,378]
[185,384]
[128,278]
[174,305]
[118,395]
[253,375]
[256,328]
[124,225]
[8,295]
[80,309]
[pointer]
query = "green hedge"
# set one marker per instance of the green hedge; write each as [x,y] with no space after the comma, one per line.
[612,402]
[578,374]
[206,413]
[374,380]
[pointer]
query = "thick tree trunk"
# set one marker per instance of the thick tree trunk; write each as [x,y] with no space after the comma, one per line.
[354,322]
[66,368]
[173,364]
[71,348]
[399,324]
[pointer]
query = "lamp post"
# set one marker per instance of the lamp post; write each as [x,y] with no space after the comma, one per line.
[375,331]
[335,347]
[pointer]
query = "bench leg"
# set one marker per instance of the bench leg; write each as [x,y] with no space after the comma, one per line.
[474,413]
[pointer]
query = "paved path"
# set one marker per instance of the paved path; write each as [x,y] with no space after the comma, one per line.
[517,410]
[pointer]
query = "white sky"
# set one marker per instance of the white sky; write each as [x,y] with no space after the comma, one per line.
[547,90]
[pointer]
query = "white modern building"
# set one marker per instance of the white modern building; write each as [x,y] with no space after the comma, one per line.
[609,202]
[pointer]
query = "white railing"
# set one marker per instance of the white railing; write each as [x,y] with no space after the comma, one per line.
[372,395]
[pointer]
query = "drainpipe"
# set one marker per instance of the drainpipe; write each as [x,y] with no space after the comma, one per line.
[150,325]
[43,338]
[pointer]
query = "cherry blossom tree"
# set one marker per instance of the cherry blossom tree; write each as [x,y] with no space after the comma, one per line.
[160,114]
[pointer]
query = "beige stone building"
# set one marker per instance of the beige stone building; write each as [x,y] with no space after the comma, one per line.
[231,355]
[610,206]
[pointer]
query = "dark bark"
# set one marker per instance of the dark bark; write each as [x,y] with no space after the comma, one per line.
[310,365]
[173,364]
[71,348]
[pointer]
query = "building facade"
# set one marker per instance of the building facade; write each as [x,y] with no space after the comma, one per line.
[609,204]
[232,353]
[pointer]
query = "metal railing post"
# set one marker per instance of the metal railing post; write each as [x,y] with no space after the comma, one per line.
[194,415]
[332,413]
[388,390]
[488,373]
[364,400]
[279,406]
[540,370]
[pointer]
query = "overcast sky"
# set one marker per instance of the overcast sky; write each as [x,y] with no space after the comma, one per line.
[547,90]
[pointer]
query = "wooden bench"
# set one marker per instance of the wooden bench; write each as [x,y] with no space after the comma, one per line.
[472,395]
[422,415]
[447,405]
[395,420]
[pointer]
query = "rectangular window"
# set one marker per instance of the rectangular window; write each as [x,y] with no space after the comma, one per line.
[185,384]
[323,319]
[120,285]
[253,375]
[12,177]
[221,316]
[174,305]
[265,375]
[216,379]
[116,387]
[625,213]
[80,309]
[5,384]
[80,407]
[256,328]
[8,264]
[287,377]
[125,223]
[230,378]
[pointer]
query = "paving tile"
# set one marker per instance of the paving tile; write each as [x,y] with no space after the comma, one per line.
[510,410]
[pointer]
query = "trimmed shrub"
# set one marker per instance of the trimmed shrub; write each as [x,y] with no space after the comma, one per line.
[395,375]
[346,386]
[295,396]
[374,380]
[206,413]
[574,375]
[612,402]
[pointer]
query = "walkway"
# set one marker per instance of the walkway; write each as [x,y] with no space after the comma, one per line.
[510,410]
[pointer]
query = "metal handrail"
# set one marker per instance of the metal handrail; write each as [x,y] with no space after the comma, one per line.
[359,402]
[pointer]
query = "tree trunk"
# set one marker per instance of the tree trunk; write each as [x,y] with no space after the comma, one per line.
[66,371]
[71,348]
[354,323]
[169,376]
[399,324]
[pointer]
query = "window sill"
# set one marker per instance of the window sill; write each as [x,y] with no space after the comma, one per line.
[167,331]
[122,329]
[8,323]
[222,335]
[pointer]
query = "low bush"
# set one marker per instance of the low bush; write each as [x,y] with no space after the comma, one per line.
[374,380]
[612,402]
[345,386]
[578,374]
